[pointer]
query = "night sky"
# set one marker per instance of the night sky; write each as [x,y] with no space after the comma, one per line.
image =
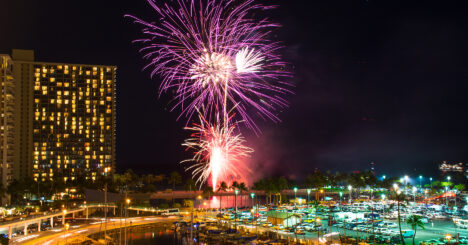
[381,81]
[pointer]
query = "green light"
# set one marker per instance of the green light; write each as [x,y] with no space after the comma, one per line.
[341,194]
[295,189]
[252,195]
[236,191]
[308,191]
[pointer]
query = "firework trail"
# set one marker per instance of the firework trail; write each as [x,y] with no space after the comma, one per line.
[219,151]
[214,55]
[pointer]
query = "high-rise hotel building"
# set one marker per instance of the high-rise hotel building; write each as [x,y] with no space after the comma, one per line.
[7,119]
[65,119]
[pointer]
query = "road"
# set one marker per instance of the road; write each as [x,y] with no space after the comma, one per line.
[61,236]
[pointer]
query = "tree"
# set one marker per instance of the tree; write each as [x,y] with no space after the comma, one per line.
[190,185]
[280,184]
[242,187]
[399,197]
[174,179]
[208,191]
[263,185]
[316,180]
[460,187]
[222,187]
[415,221]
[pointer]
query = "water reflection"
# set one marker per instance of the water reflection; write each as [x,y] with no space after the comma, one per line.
[228,202]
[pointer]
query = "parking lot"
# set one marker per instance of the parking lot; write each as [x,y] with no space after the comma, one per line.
[314,224]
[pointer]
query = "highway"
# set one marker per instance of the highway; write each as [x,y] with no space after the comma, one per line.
[62,236]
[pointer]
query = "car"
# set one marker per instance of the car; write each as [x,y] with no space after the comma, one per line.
[407,233]
[431,242]
[395,239]
[299,232]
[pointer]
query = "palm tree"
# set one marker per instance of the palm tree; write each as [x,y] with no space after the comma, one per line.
[222,187]
[415,221]
[235,185]
[242,187]
[316,180]
[174,179]
[399,197]
[208,191]
[190,185]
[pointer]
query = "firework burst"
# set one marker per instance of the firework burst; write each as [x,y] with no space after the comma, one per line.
[214,55]
[219,152]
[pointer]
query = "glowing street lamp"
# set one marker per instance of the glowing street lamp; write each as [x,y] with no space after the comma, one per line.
[384,177]
[406,184]
[420,179]
[383,199]
[430,179]
[350,188]
[295,191]
[317,223]
[308,194]
[236,191]
[252,195]
[414,193]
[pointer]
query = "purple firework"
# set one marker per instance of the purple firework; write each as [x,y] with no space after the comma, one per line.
[215,56]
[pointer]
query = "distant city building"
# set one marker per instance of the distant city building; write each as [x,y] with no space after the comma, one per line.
[446,167]
[7,120]
[65,119]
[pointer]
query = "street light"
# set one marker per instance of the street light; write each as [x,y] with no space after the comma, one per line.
[295,198]
[321,192]
[317,223]
[252,195]
[106,170]
[384,177]
[430,179]
[420,179]
[446,194]
[406,184]
[236,191]
[350,190]
[127,201]
[383,206]
[414,193]
[308,194]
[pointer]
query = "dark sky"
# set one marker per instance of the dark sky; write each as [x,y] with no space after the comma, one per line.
[382,81]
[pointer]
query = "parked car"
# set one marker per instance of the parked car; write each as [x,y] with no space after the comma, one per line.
[431,242]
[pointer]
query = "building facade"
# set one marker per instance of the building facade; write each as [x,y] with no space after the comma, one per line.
[65,119]
[7,120]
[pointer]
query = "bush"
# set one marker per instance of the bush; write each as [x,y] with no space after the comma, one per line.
[164,206]
[176,205]
[188,203]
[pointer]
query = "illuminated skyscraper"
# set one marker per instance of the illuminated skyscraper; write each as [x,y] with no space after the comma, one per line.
[66,119]
[7,119]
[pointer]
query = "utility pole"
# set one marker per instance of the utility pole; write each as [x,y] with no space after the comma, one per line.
[106,170]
